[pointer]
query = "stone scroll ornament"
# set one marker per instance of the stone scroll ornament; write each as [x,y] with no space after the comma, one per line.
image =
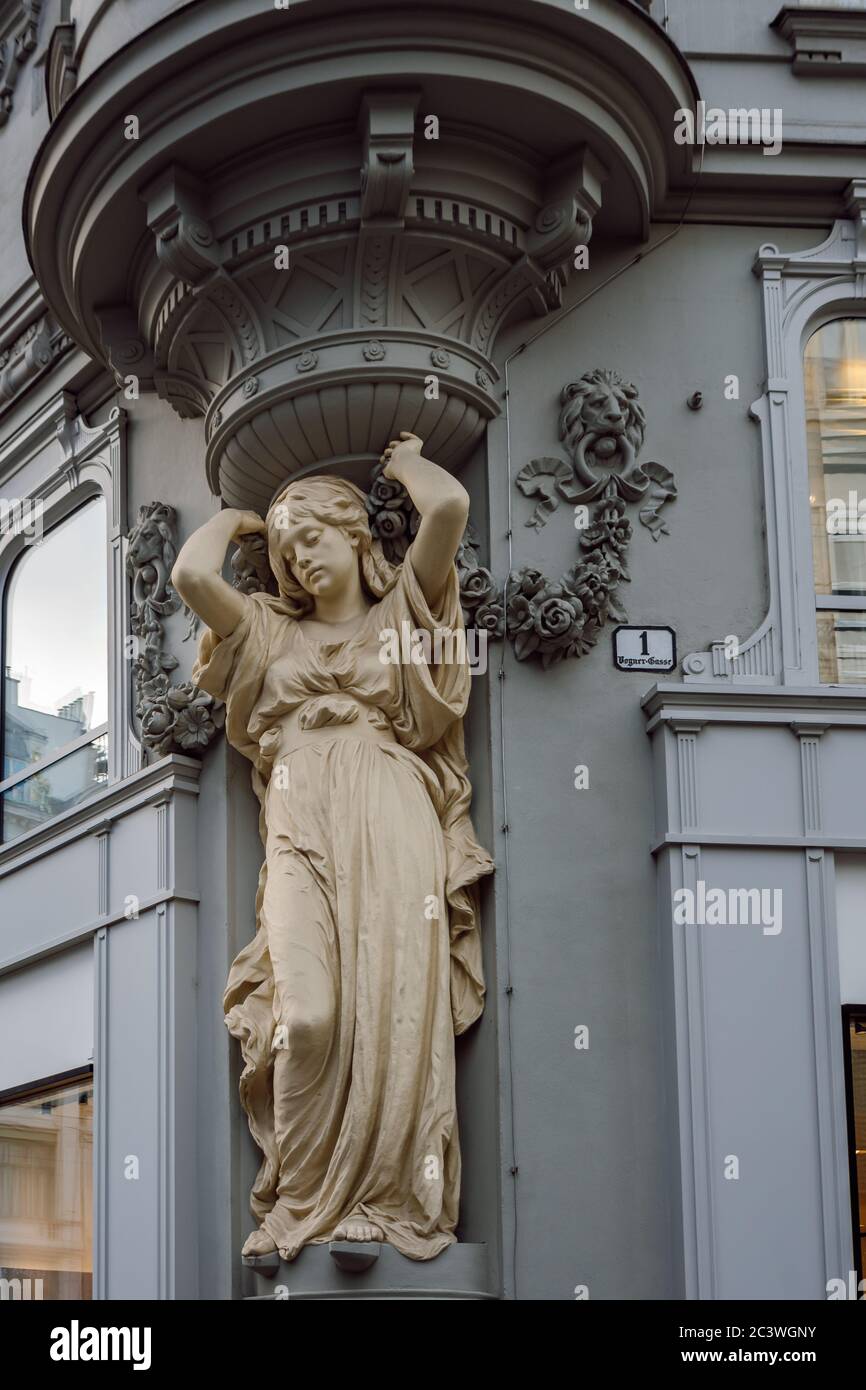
[173,718]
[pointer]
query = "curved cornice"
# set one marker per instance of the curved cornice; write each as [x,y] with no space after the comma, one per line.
[211,81]
[310,225]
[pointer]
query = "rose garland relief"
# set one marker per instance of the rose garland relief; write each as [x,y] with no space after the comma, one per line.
[602,428]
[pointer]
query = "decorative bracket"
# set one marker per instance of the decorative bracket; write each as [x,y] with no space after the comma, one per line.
[855,207]
[572,199]
[125,347]
[388,122]
[25,358]
[825,40]
[185,242]
[16,44]
[61,69]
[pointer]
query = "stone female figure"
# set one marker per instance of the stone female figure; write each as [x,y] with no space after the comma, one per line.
[366,960]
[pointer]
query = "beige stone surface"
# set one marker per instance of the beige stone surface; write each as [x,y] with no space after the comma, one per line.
[366,960]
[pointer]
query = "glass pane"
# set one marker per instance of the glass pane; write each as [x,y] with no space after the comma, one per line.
[841,648]
[56,788]
[46,1182]
[857,1056]
[835,376]
[56,640]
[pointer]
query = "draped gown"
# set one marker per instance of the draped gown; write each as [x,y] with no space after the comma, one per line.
[366,959]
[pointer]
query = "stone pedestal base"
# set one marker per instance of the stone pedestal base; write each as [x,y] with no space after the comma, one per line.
[461,1272]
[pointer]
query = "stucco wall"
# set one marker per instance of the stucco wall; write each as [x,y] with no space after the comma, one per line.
[594,1186]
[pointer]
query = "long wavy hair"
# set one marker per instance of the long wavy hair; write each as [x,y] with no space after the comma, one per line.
[331,502]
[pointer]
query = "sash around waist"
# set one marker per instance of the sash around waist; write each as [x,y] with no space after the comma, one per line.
[294,739]
[321,722]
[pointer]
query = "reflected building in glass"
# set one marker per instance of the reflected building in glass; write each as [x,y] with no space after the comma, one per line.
[46,1201]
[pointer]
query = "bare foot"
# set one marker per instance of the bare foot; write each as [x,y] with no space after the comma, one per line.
[356,1229]
[259,1243]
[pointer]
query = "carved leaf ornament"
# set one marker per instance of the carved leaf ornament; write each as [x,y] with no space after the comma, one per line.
[173,718]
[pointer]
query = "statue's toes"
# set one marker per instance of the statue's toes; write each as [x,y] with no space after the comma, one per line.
[259,1243]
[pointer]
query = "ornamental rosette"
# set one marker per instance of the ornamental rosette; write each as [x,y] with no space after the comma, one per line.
[490,618]
[180,718]
[395,521]
[478,588]
[547,620]
[390,510]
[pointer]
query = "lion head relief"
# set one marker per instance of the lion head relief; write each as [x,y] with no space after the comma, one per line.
[600,417]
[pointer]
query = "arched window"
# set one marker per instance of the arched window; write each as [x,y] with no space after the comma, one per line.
[55,665]
[835,382]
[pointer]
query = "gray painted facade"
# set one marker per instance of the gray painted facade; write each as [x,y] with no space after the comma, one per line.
[153,258]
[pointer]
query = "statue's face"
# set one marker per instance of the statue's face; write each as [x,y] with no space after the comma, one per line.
[321,557]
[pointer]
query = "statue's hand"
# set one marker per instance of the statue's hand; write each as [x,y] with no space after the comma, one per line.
[398,451]
[246,523]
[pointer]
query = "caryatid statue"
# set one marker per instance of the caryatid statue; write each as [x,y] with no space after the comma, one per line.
[367,958]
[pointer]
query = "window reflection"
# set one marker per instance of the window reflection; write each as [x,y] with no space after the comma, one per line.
[856,1069]
[46,1217]
[836,425]
[55,687]
[841,647]
[835,381]
[56,788]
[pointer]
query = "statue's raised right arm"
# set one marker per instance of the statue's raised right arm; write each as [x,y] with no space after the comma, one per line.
[196,574]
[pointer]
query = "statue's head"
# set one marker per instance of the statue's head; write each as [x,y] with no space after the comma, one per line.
[319,538]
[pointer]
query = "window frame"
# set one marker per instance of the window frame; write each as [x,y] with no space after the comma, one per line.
[82,740]
[832,603]
[28,1089]
[61,461]
[801,292]
[819,303]
[850,1012]
[31,1090]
